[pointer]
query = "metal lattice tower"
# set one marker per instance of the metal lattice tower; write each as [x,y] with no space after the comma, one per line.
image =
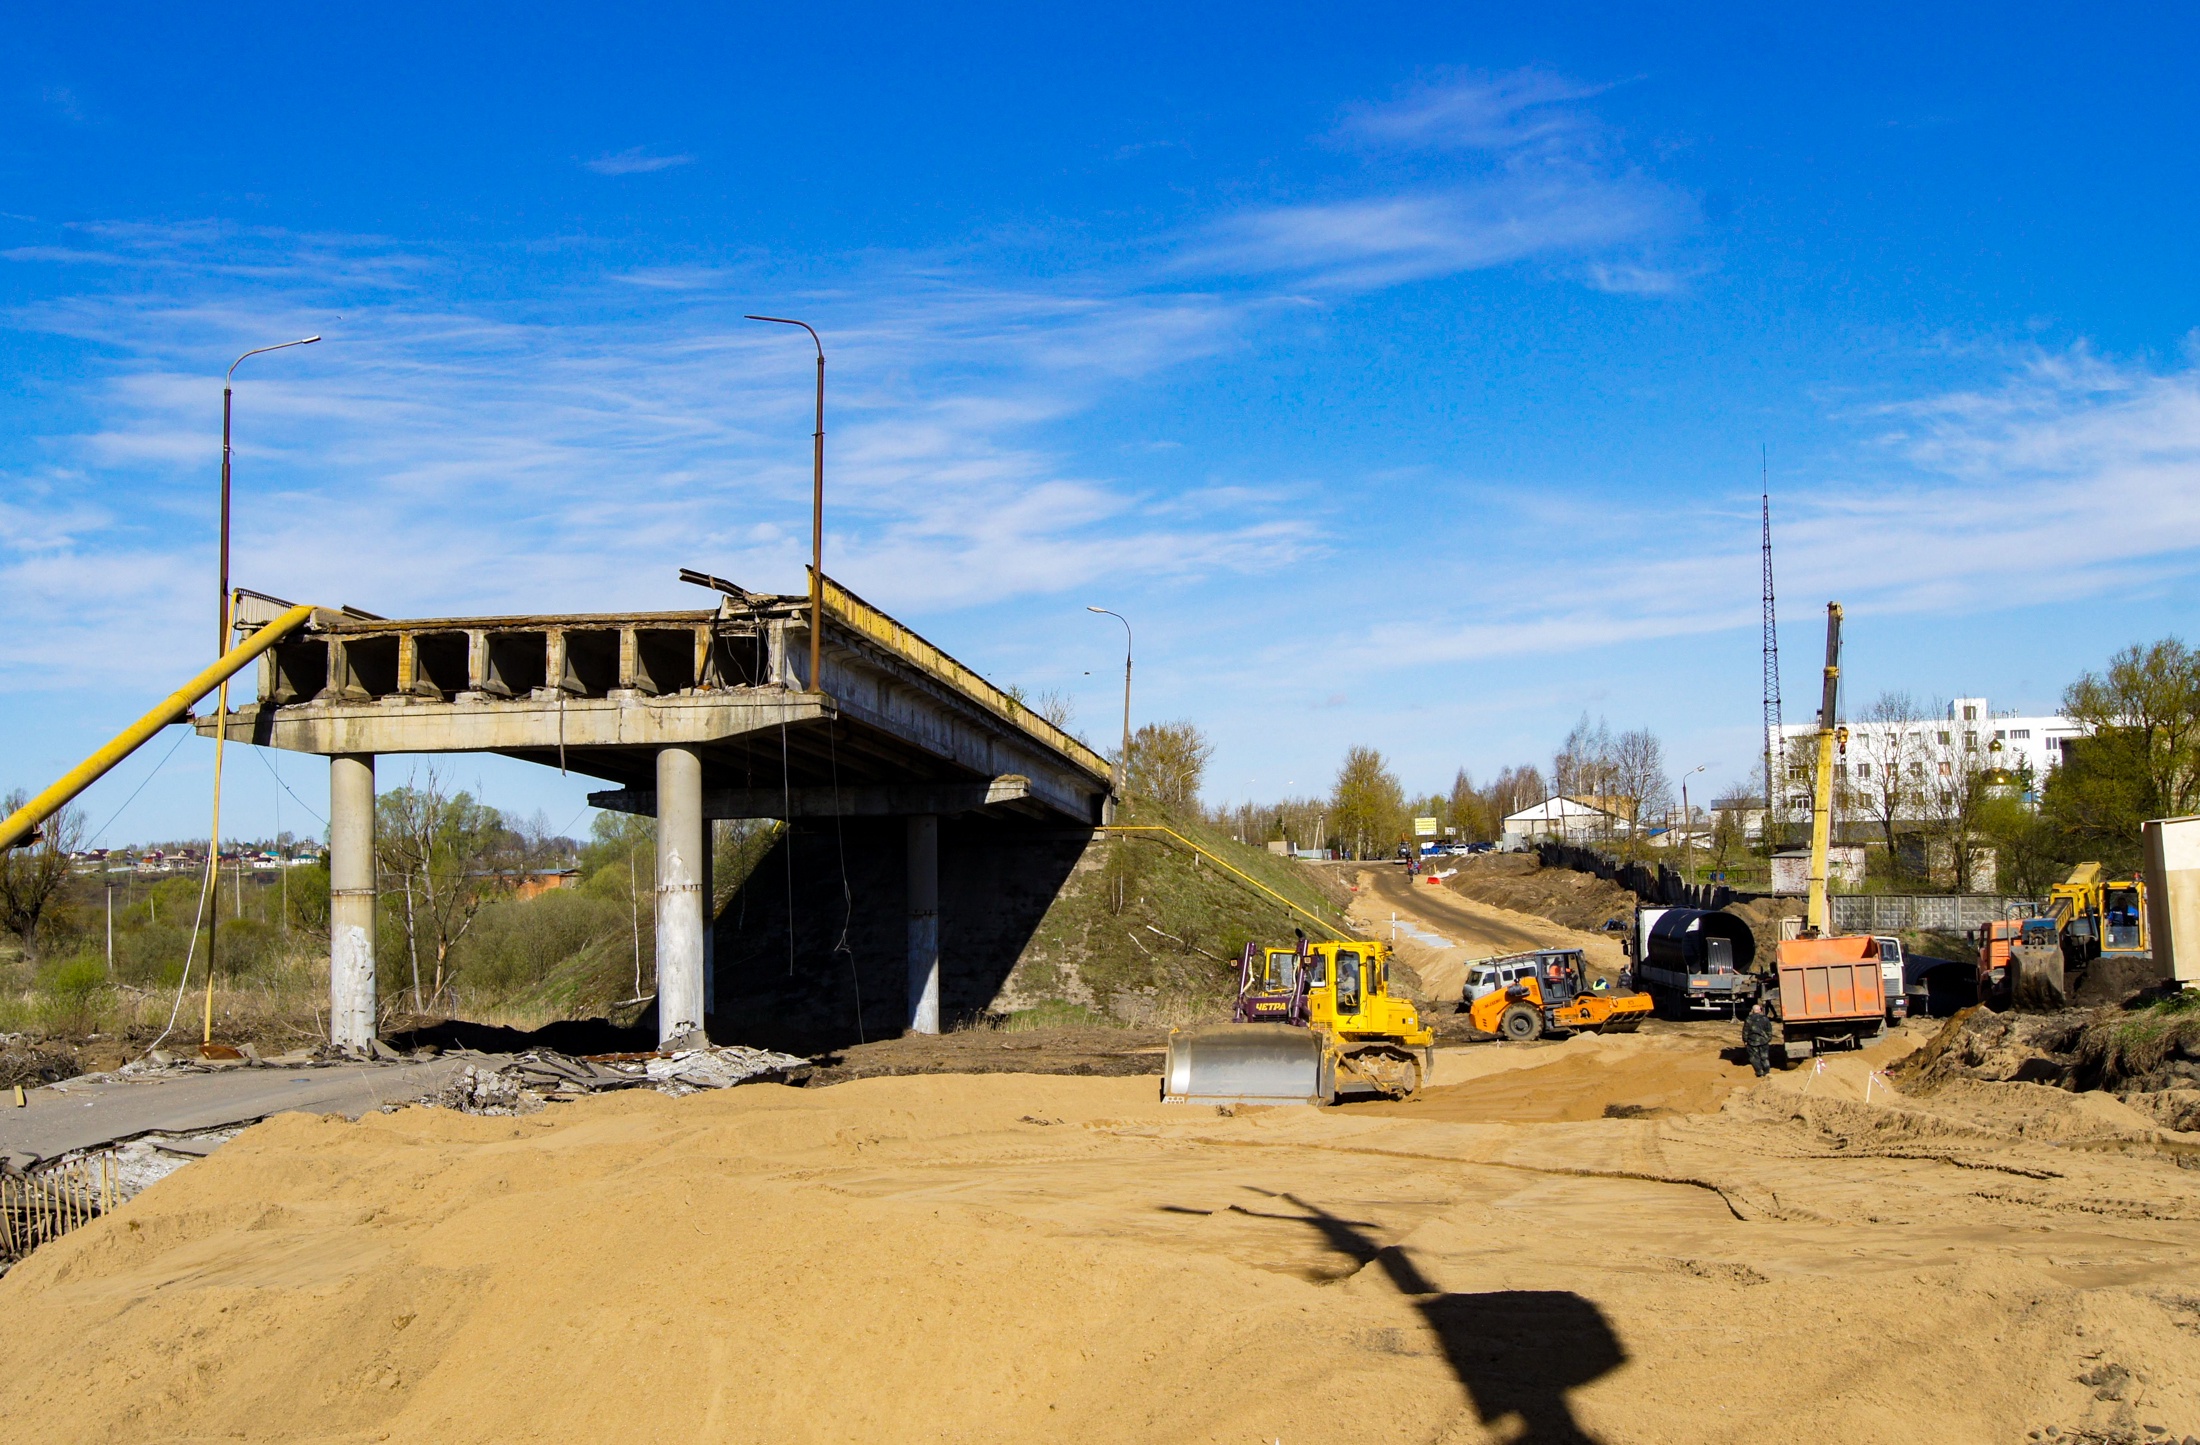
[1772,669]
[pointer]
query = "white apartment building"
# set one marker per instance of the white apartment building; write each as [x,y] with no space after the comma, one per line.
[1969,736]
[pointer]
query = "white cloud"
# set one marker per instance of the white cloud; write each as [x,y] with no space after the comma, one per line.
[1970,506]
[1525,174]
[1386,240]
[1496,113]
[439,457]
[634,162]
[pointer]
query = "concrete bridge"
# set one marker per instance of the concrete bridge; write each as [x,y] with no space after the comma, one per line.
[693,716]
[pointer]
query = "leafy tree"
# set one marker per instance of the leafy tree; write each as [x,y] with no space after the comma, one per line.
[1367,807]
[1167,764]
[2146,708]
[31,876]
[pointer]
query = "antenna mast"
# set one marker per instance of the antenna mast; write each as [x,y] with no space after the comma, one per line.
[1772,662]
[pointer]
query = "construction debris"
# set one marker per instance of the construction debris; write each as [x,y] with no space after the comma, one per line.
[536,1078]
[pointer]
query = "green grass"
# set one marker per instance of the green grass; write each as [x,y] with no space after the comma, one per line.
[1146,931]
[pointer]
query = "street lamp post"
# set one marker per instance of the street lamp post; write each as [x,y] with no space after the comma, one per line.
[817,502]
[221,703]
[1123,761]
[1688,824]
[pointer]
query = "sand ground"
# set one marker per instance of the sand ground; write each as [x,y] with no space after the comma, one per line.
[1029,1258]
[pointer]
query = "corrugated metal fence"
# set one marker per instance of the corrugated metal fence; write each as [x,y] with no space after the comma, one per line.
[1939,912]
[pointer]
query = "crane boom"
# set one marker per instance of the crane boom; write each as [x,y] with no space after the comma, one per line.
[1815,914]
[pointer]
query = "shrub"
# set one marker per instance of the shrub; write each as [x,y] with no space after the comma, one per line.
[74,993]
[514,944]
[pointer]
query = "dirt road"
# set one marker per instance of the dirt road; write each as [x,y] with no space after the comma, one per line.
[1465,929]
[1018,1258]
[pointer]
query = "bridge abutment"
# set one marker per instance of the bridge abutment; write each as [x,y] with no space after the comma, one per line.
[351,982]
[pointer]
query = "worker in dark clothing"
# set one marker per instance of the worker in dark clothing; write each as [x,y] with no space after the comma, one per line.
[1757,1038]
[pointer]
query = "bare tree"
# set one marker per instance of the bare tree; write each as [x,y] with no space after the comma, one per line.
[1168,762]
[1886,767]
[1583,766]
[450,855]
[1515,789]
[1638,778]
[1956,765]
[31,876]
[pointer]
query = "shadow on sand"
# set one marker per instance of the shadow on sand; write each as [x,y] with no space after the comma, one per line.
[1517,1352]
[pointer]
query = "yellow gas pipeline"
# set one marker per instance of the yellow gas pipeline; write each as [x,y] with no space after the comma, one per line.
[177,704]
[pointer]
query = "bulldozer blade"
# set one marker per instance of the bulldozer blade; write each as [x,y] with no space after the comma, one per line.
[1247,1064]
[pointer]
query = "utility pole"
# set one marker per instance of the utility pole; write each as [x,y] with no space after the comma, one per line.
[1688,823]
[1123,760]
[817,504]
[226,607]
[1769,831]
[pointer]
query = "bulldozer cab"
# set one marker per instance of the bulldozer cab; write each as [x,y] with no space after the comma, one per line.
[1349,991]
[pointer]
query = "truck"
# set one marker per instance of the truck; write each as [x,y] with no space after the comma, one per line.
[1692,961]
[1831,994]
[1892,966]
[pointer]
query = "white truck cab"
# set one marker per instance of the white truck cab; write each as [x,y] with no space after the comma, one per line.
[1890,972]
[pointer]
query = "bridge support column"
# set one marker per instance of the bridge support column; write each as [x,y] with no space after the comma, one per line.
[351,984]
[680,895]
[924,924]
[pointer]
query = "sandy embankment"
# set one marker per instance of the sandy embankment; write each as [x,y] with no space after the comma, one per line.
[1024,1258]
[1470,929]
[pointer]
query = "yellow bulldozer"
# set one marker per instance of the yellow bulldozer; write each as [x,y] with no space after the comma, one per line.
[1311,1022]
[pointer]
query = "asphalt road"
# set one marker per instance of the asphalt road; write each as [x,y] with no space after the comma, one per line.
[85,1114]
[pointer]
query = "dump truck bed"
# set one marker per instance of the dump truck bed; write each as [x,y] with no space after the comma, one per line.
[1831,991]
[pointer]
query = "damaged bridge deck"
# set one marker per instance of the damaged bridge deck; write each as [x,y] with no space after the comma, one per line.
[913,731]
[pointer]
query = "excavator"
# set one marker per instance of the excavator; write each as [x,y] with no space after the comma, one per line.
[1310,1022]
[2035,963]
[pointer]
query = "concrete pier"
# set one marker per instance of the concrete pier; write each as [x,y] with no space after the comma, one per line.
[680,894]
[351,983]
[924,924]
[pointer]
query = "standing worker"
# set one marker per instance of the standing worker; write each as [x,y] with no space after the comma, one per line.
[1757,1038]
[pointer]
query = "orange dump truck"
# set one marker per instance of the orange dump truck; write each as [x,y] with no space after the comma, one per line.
[1831,994]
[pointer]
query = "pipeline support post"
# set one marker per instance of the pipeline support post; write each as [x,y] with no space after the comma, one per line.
[351,981]
[924,924]
[680,909]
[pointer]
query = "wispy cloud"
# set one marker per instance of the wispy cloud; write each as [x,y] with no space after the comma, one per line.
[2014,469]
[1525,108]
[1525,173]
[635,162]
[1382,241]
[437,456]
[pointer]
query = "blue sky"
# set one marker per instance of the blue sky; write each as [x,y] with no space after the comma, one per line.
[1402,375]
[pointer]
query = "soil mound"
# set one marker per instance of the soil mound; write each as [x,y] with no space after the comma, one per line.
[2147,1057]
[1520,882]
